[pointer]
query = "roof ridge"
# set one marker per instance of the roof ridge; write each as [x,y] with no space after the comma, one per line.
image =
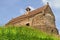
[31,13]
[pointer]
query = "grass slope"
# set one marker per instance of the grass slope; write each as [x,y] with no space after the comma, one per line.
[24,33]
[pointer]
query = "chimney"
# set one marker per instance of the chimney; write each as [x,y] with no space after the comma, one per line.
[28,10]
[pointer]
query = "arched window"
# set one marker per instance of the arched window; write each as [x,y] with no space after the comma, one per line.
[27,24]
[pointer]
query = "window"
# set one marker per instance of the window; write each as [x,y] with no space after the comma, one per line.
[27,24]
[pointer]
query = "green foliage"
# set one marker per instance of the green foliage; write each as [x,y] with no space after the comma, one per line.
[23,33]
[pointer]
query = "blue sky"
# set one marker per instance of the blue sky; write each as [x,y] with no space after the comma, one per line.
[12,8]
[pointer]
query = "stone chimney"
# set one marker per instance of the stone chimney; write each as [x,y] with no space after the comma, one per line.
[28,10]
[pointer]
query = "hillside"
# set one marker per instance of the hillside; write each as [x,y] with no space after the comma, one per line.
[24,33]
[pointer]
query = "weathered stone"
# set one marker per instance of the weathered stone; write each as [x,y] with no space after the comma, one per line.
[41,18]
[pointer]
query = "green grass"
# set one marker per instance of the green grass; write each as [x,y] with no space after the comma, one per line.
[24,33]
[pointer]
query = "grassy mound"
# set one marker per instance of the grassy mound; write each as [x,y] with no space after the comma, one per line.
[24,33]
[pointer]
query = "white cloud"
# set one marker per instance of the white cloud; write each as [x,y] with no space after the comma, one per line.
[53,3]
[31,8]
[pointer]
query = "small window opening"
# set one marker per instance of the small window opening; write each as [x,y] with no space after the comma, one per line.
[27,24]
[52,31]
[44,14]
